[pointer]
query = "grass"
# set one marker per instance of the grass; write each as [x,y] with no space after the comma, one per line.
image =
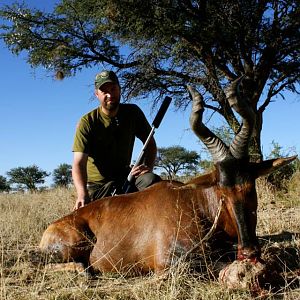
[23,274]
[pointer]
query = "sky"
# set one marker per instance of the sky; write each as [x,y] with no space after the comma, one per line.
[38,115]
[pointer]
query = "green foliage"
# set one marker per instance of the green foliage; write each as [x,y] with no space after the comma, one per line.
[27,177]
[4,185]
[206,165]
[62,175]
[176,159]
[279,178]
[161,46]
[73,36]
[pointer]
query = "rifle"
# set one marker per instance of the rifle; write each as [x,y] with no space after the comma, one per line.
[155,124]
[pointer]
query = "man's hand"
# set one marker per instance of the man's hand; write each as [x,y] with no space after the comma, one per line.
[140,170]
[81,201]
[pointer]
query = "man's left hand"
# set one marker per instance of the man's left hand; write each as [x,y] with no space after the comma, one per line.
[140,170]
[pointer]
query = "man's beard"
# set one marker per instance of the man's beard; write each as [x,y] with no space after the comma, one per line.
[112,106]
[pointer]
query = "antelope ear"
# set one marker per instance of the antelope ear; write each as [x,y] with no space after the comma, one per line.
[268,166]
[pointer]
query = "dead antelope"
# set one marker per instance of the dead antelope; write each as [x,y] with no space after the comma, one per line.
[144,230]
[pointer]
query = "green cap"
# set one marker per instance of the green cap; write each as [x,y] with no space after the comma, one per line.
[104,77]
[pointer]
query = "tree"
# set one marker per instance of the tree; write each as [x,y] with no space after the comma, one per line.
[176,159]
[161,46]
[4,185]
[28,177]
[62,175]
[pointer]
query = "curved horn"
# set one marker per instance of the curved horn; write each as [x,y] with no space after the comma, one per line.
[215,146]
[240,144]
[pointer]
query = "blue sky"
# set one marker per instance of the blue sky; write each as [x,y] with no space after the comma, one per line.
[38,115]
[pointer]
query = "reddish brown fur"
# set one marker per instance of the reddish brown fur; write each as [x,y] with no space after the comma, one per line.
[138,229]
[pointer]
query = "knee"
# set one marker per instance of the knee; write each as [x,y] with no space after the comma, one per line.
[146,180]
[97,191]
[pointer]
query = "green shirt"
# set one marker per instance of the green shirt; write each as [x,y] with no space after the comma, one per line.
[109,141]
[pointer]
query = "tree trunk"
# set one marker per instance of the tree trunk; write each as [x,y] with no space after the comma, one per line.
[255,152]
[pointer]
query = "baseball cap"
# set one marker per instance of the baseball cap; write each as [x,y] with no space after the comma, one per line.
[104,77]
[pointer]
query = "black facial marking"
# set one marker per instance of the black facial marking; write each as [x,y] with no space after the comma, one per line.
[234,172]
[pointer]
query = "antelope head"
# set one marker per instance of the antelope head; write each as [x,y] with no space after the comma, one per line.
[235,174]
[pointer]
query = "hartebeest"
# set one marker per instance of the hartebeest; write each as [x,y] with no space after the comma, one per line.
[146,230]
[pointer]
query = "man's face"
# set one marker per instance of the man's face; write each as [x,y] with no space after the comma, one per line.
[109,96]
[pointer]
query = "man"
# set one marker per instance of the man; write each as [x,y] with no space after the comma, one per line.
[104,143]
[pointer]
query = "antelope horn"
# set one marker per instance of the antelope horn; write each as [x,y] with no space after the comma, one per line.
[215,146]
[240,144]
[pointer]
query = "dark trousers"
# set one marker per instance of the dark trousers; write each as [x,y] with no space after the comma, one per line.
[97,191]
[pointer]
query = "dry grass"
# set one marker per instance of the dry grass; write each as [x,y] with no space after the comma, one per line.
[24,276]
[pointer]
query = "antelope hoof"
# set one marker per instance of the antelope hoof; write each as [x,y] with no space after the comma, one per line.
[251,253]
